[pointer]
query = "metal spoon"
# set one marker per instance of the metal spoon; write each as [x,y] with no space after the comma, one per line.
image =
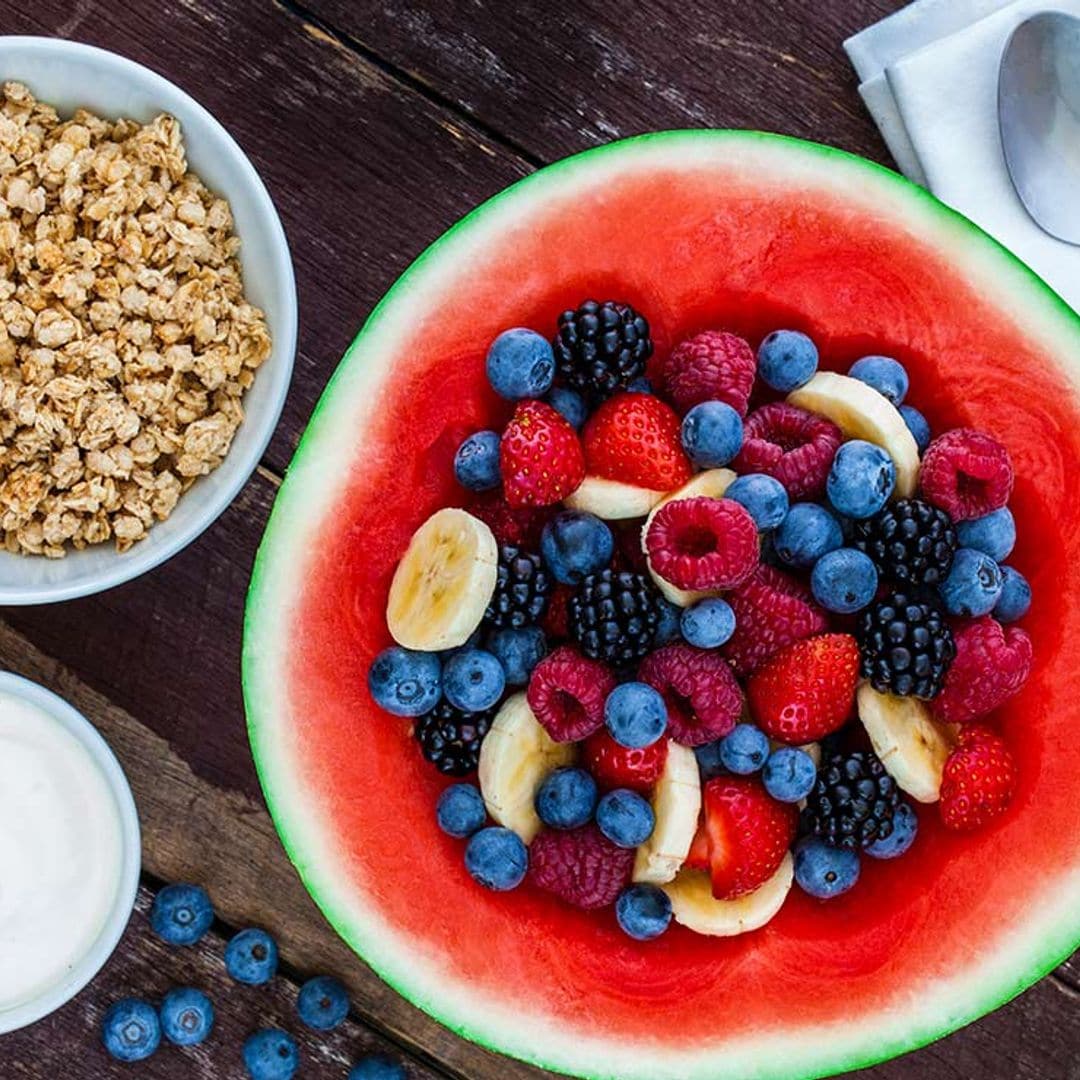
[1039,113]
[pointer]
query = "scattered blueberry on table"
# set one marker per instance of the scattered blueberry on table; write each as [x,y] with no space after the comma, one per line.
[251,957]
[322,1003]
[181,914]
[187,1016]
[377,1067]
[131,1030]
[271,1054]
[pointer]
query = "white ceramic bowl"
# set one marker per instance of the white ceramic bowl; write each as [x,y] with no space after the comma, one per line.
[126,888]
[68,75]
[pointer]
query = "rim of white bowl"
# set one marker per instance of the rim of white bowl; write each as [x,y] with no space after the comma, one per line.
[138,560]
[81,973]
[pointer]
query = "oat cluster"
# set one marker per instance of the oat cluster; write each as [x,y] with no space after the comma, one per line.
[126,343]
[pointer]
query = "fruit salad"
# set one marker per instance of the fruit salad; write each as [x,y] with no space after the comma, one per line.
[706,626]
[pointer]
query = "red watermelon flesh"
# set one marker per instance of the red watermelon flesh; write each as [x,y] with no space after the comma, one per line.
[696,230]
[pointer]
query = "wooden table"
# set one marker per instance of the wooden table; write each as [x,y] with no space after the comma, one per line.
[376,125]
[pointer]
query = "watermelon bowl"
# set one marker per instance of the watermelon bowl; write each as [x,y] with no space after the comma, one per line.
[702,229]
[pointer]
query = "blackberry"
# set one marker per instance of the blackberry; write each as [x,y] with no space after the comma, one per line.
[601,348]
[614,616]
[450,739]
[522,590]
[853,802]
[910,542]
[905,645]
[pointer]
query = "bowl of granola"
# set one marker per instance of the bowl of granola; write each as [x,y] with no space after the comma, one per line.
[148,319]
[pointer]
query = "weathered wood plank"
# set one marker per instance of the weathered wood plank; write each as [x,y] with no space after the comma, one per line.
[559,77]
[364,171]
[67,1045]
[225,840]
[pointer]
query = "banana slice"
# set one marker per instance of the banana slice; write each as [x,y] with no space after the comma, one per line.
[612,500]
[711,484]
[694,906]
[677,805]
[515,756]
[862,413]
[444,582]
[911,744]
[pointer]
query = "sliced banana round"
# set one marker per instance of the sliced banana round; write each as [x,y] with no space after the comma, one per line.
[860,412]
[444,582]
[911,744]
[711,484]
[612,500]
[515,757]
[694,906]
[676,804]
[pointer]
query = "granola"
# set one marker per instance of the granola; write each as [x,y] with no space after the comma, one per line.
[126,343]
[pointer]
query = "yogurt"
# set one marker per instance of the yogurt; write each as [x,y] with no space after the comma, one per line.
[61,851]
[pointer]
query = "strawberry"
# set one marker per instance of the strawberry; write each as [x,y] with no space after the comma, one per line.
[697,858]
[614,766]
[636,439]
[748,834]
[979,779]
[540,456]
[807,689]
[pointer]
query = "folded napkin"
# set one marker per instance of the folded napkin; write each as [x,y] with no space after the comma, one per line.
[929,75]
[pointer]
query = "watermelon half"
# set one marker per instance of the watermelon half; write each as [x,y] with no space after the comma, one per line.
[695,229]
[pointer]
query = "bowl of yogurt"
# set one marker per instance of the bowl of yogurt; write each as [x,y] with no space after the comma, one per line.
[69,852]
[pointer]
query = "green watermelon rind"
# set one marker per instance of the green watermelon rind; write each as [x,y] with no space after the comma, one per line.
[1049,937]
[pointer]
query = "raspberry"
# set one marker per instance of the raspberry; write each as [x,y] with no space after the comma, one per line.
[713,366]
[771,611]
[614,766]
[519,526]
[703,543]
[979,780]
[567,694]
[966,473]
[792,445]
[703,699]
[581,866]
[991,665]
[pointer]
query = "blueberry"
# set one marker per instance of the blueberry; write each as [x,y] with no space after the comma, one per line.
[271,1054]
[251,957]
[708,759]
[643,911]
[625,818]
[376,1067]
[844,581]
[744,749]
[640,385]
[787,359]
[789,774]
[974,584]
[131,1030]
[322,1003]
[473,680]
[708,623]
[496,858]
[566,798]
[861,479]
[824,871]
[520,364]
[886,375]
[476,463]
[460,810]
[570,405]
[404,682]
[904,828]
[808,532]
[712,434]
[518,651]
[1015,599]
[575,544]
[669,628]
[187,1016]
[917,425]
[995,534]
[635,715]
[764,496]
[181,914]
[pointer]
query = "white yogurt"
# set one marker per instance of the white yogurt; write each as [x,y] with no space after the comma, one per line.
[61,851]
